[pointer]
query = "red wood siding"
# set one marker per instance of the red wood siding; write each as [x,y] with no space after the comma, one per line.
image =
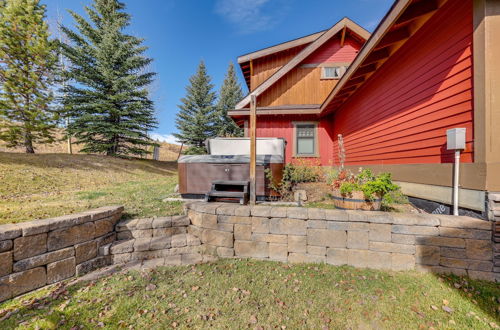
[400,116]
[282,127]
[332,52]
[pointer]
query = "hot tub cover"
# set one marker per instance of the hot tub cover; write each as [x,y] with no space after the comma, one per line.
[230,159]
[241,146]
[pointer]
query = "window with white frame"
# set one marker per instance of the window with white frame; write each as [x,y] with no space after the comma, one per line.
[305,139]
[332,72]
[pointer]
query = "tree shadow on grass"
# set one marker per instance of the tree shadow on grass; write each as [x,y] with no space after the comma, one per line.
[32,306]
[484,294]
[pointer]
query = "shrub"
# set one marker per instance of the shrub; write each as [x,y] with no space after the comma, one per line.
[302,171]
[394,197]
[371,185]
[330,174]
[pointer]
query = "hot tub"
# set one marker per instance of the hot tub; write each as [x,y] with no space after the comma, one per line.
[229,160]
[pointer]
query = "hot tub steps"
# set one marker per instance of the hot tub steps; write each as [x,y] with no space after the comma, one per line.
[229,190]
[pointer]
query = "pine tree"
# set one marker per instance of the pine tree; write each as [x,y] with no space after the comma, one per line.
[107,94]
[28,63]
[197,115]
[229,95]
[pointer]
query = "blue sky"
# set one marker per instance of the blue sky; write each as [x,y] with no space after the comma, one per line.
[180,33]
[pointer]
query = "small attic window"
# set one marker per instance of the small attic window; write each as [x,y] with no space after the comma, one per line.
[332,72]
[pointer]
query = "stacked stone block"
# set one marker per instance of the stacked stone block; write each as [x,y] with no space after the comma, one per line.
[156,241]
[496,250]
[34,254]
[41,252]
[381,240]
[493,202]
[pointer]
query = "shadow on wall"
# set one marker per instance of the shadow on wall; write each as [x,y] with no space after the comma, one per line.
[456,261]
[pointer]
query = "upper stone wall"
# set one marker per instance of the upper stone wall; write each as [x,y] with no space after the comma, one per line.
[396,241]
[36,253]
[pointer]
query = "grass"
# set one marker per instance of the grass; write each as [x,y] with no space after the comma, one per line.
[261,294]
[47,185]
[321,205]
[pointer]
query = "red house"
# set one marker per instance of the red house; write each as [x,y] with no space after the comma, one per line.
[430,65]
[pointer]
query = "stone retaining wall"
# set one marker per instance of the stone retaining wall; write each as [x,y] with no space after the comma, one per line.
[396,241]
[36,253]
[156,242]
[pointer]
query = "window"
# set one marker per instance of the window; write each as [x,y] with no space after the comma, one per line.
[305,139]
[332,72]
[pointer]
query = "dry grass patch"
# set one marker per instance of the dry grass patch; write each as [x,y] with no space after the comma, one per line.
[46,185]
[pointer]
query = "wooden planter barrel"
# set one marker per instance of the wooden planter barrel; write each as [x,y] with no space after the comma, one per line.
[355,201]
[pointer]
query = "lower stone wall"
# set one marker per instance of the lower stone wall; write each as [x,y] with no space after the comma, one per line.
[156,242]
[496,249]
[395,241]
[41,252]
[37,253]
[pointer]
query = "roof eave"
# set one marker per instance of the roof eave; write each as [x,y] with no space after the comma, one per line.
[371,47]
[279,48]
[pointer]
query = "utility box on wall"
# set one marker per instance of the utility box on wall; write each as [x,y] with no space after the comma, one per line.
[455,139]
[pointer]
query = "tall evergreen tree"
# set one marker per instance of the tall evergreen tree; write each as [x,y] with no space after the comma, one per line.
[230,94]
[28,62]
[197,114]
[107,94]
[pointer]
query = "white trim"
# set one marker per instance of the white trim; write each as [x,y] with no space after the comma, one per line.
[341,72]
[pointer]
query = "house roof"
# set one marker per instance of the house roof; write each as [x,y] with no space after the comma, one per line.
[304,109]
[314,45]
[402,21]
[280,47]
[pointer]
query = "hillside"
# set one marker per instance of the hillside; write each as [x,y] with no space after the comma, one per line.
[47,185]
[168,151]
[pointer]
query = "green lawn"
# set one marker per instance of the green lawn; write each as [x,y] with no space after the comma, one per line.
[260,294]
[47,185]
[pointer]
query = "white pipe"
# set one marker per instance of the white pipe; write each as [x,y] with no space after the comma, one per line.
[455,181]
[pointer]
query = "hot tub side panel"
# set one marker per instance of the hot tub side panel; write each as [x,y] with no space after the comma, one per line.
[197,178]
[182,177]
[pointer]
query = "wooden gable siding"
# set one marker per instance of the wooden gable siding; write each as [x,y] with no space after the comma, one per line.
[303,85]
[265,67]
[401,115]
[332,52]
[300,86]
[282,127]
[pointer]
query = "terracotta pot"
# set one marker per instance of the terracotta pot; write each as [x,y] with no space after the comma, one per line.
[356,201]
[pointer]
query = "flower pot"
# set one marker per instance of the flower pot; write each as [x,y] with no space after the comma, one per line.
[356,201]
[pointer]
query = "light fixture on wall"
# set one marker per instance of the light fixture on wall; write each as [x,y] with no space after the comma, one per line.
[455,140]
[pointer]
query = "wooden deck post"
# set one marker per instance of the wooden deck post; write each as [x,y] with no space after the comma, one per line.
[253,148]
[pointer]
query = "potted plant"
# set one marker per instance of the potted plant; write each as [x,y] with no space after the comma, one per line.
[362,191]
